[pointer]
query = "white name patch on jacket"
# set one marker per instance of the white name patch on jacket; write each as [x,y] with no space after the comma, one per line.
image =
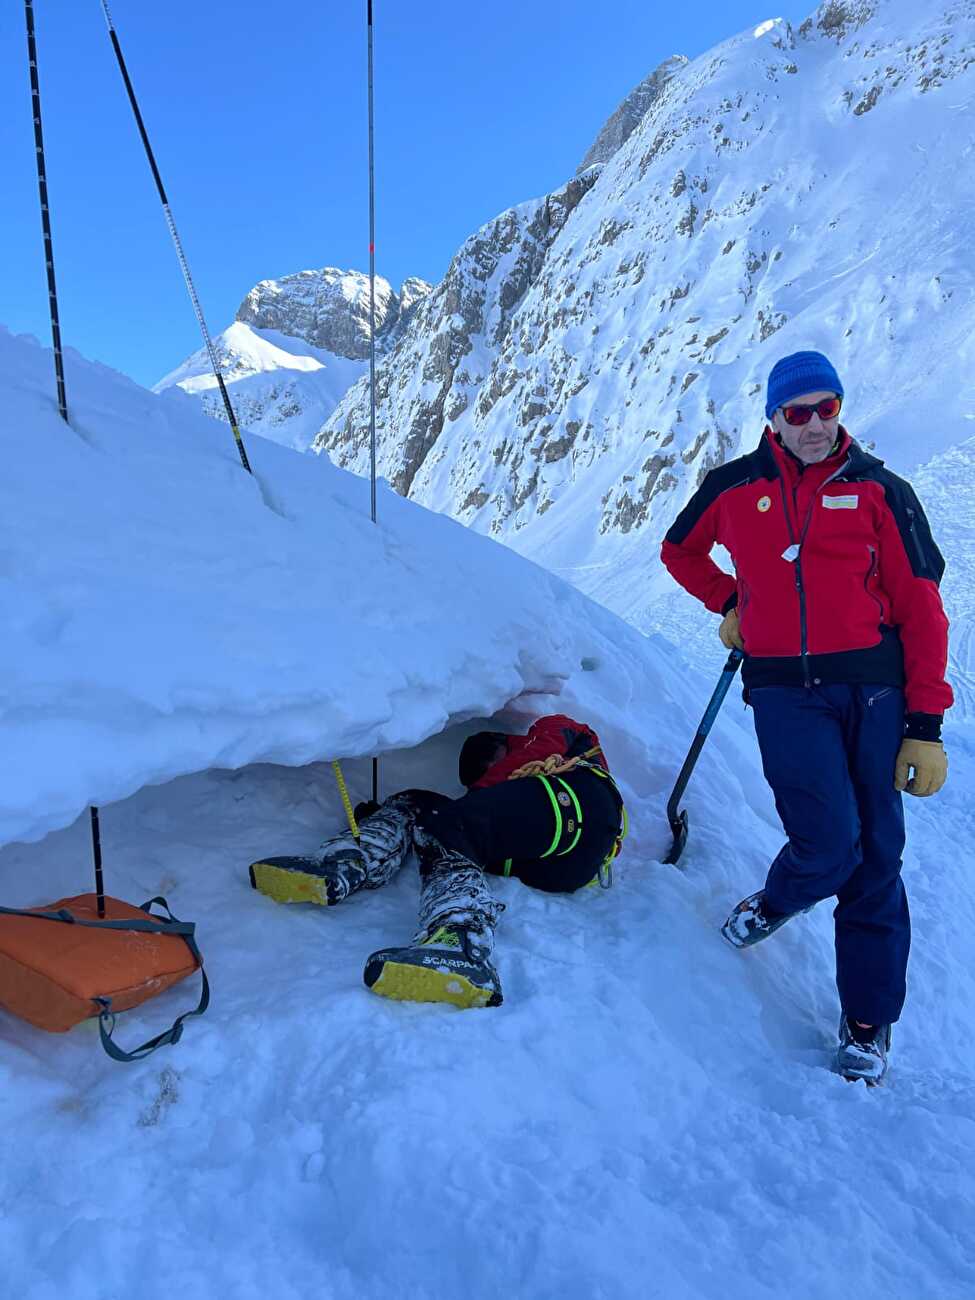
[841,503]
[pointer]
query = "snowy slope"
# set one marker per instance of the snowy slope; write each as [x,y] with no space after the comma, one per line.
[591,354]
[167,612]
[947,487]
[293,350]
[280,386]
[648,1114]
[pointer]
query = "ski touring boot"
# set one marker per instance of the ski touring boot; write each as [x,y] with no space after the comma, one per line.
[750,922]
[449,959]
[862,1052]
[453,964]
[344,864]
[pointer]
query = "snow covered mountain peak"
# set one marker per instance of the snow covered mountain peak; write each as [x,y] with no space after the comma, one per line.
[294,348]
[621,125]
[327,308]
[241,351]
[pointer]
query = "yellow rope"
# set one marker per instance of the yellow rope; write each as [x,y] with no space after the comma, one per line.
[554,765]
[346,801]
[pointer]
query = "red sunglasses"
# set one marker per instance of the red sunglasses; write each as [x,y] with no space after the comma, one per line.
[827,409]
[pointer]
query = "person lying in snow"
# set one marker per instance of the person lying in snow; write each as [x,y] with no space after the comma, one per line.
[541,807]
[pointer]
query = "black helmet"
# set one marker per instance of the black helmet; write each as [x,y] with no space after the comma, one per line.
[477,754]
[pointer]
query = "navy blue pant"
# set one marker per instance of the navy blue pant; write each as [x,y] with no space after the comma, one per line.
[828,754]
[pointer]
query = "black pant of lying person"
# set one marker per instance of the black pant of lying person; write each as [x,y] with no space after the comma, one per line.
[541,807]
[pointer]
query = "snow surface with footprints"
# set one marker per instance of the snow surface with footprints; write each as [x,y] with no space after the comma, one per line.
[648,1114]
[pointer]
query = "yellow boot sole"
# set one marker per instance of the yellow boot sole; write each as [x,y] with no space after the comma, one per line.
[409,983]
[288,885]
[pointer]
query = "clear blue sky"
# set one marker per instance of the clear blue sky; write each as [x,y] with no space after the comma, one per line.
[257,114]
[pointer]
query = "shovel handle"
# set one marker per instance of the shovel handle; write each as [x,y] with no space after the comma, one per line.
[677,819]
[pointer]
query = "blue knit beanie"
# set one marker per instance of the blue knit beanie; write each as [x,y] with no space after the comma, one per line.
[802,372]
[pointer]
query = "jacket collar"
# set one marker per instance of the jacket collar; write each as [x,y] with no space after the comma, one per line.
[775,459]
[861,462]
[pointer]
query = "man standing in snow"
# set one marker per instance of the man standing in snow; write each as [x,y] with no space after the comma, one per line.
[836,606]
[541,807]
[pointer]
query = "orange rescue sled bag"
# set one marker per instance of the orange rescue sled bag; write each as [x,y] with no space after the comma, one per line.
[62,964]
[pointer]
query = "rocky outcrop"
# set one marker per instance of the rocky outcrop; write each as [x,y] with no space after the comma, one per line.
[457,340]
[621,125]
[328,308]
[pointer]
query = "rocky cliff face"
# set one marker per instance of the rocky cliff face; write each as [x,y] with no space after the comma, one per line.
[621,125]
[458,344]
[591,355]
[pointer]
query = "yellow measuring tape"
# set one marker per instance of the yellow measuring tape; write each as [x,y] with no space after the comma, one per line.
[346,801]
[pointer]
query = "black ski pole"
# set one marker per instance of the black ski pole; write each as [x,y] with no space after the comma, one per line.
[184,265]
[52,289]
[678,819]
[52,294]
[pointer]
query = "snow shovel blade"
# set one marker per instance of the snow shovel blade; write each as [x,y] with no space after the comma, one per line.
[679,828]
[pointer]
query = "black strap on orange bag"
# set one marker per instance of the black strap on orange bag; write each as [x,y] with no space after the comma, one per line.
[168,924]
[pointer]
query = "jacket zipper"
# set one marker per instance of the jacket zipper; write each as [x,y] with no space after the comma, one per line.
[912,529]
[866,582]
[803,622]
[797,562]
[797,575]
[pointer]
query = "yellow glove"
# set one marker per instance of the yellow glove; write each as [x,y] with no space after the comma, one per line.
[930,764]
[729,631]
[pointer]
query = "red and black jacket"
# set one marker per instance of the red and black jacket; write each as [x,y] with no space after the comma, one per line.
[837,573]
[556,734]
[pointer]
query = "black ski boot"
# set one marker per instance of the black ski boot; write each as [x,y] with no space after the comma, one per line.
[862,1053]
[344,864]
[449,959]
[750,922]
